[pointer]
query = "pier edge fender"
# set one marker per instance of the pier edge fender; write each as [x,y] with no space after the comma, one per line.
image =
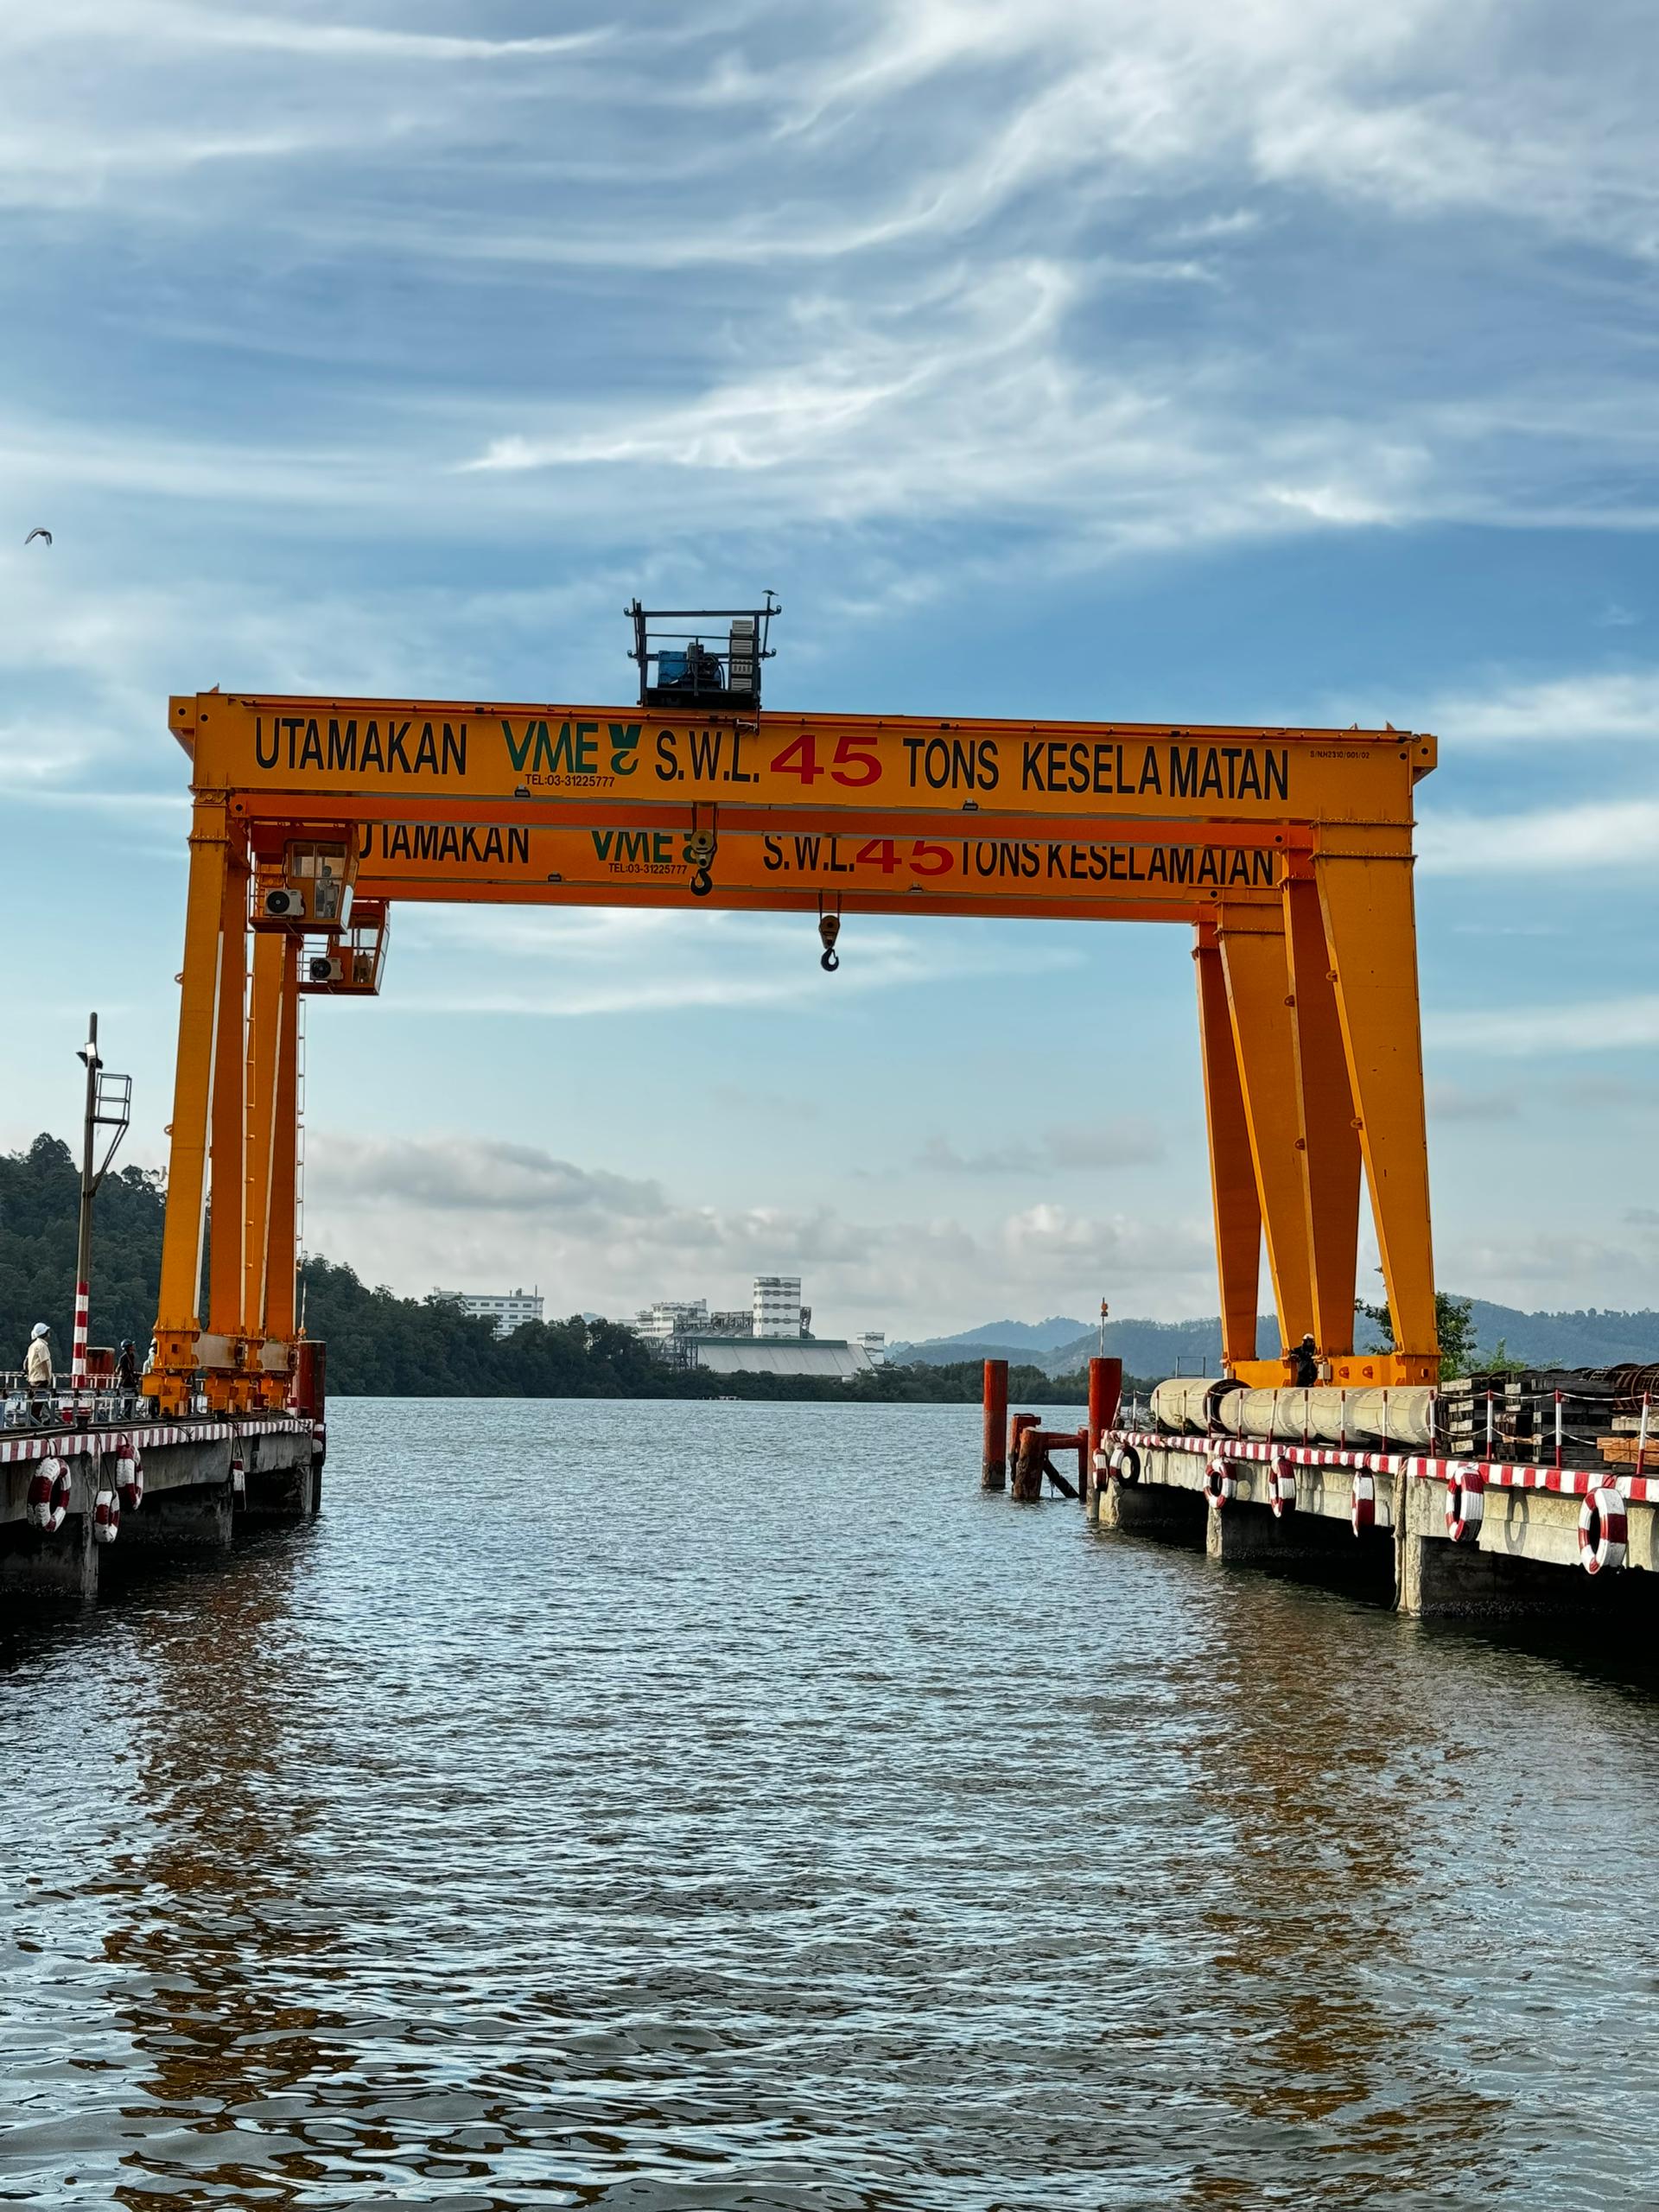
[1281,1486]
[107,1513]
[1603,1530]
[128,1475]
[1466,1502]
[48,1506]
[1362,1511]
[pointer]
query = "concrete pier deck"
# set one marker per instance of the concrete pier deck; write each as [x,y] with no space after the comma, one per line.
[201,1477]
[1452,1538]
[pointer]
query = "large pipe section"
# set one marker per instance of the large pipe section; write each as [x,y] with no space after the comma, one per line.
[1402,1419]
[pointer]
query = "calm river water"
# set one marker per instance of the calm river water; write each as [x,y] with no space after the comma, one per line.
[725,1806]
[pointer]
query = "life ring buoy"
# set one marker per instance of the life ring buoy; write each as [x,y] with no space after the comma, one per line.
[1125,1464]
[1220,1484]
[1603,1530]
[46,1507]
[128,1475]
[319,1442]
[1362,1510]
[106,1517]
[1281,1486]
[1466,1502]
[239,1476]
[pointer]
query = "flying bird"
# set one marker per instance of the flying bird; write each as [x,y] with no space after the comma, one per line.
[33,534]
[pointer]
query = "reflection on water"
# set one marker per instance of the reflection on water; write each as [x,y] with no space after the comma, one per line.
[722,1807]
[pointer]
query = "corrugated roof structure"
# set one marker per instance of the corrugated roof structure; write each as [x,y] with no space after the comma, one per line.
[779,1356]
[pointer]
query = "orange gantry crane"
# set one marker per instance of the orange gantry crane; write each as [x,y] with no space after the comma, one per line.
[1287,851]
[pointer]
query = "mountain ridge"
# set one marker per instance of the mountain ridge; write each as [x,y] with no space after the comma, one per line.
[1585,1337]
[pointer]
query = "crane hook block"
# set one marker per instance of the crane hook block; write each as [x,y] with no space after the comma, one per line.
[828,931]
[701,884]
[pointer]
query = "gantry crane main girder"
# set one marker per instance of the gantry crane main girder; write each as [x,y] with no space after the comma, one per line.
[1287,850]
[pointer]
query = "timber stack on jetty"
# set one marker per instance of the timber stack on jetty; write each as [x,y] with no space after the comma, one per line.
[1395,1488]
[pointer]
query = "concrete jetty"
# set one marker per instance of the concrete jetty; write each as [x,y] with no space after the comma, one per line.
[79,1502]
[1445,1537]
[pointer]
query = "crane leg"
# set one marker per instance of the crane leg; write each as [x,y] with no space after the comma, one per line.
[219,1350]
[1329,1136]
[1258,993]
[1232,1171]
[283,1237]
[264,1027]
[1371,927]
[177,1319]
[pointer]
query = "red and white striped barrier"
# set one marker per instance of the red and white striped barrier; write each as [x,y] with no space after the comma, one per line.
[1604,1531]
[34,1443]
[1362,1511]
[1220,1484]
[1465,1503]
[47,1507]
[1494,1474]
[1281,1486]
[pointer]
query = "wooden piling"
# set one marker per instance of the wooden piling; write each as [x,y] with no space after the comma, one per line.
[993,1461]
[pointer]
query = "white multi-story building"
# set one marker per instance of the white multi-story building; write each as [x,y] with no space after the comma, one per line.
[509,1309]
[669,1318]
[778,1306]
[874,1344]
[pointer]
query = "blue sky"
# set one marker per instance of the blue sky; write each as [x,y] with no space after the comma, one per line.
[1178,360]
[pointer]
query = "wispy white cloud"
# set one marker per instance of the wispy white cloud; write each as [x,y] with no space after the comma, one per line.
[227,26]
[1539,1030]
[1582,707]
[470,1212]
[1113,1143]
[582,961]
[1608,836]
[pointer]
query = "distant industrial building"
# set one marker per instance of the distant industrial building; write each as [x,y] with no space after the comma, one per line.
[774,1337]
[669,1317]
[508,1310]
[778,1306]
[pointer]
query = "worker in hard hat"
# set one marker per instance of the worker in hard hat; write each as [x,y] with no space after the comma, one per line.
[126,1371]
[1304,1365]
[37,1372]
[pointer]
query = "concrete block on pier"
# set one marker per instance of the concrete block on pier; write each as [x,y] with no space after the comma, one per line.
[1526,1561]
[178,1522]
[38,1569]
[1150,1510]
[1298,1539]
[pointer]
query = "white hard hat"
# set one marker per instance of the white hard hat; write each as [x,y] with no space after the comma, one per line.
[39,1330]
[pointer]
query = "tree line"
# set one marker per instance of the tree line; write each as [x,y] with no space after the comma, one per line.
[380,1345]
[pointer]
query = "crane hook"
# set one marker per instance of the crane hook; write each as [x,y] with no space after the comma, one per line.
[700,849]
[828,931]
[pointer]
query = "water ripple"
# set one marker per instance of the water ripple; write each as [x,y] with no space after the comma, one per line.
[652,1807]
